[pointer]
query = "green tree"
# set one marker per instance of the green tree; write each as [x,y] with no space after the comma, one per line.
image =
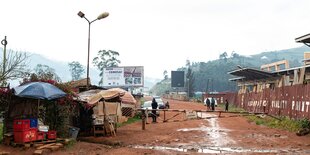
[106,59]
[190,79]
[76,70]
[223,56]
[45,72]
[165,74]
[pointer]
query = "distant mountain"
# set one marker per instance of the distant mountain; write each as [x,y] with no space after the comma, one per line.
[62,69]
[212,75]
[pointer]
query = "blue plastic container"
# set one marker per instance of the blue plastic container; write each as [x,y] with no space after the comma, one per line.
[33,123]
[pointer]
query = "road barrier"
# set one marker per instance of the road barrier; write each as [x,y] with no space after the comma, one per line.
[185,114]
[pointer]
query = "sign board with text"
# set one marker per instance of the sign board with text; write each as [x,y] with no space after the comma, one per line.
[128,76]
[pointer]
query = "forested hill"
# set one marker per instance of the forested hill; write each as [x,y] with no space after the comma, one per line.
[216,71]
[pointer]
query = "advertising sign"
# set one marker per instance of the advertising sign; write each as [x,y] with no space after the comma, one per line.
[177,78]
[123,76]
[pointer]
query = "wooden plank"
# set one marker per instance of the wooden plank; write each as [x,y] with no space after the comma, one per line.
[302,75]
[53,148]
[37,145]
[59,144]
[45,146]
[45,142]
[40,152]
[295,77]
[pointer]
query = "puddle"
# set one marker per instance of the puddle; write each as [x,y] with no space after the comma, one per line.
[215,134]
[215,149]
[216,141]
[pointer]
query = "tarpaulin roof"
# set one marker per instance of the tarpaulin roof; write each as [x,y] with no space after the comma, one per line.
[127,98]
[93,96]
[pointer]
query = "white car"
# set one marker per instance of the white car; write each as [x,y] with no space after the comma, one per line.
[160,102]
[205,101]
[148,105]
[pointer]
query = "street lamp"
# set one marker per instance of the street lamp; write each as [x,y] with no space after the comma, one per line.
[101,16]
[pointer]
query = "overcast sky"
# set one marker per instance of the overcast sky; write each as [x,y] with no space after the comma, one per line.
[157,34]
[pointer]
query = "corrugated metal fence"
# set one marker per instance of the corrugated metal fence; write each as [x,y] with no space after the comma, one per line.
[291,101]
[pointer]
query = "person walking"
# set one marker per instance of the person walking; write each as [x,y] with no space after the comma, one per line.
[154,106]
[208,103]
[212,104]
[167,105]
[226,105]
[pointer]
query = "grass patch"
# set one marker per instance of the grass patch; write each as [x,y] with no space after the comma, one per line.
[231,108]
[285,123]
[70,144]
[1,132]
[129,121]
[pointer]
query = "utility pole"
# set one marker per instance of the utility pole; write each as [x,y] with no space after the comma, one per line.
[207,90]
[4,42]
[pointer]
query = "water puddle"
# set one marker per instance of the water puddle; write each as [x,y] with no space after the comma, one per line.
[215,141]
[215,134]
[217,149]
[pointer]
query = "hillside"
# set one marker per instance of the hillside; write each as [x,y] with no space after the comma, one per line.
[62,69]
[212,75]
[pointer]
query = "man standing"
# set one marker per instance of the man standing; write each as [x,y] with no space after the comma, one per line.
[208,103]
[154,106]
[212,104]
[226,105]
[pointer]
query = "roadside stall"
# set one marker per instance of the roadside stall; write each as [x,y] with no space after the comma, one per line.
[128,106]
[100,111]
[22,122]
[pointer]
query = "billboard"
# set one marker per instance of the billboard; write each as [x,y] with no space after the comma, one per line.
[128,76]
[177,78]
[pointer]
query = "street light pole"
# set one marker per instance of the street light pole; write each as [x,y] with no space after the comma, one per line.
[101,16]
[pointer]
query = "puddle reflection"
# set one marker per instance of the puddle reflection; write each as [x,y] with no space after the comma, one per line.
[213,149]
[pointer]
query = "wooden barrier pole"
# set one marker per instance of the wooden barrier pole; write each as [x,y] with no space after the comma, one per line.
[143,119]
[147,117]
[165,116]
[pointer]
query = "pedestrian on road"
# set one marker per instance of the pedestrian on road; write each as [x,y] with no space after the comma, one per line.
[154,106]
[212,104]
[226,105]
[208,103]
[167,105]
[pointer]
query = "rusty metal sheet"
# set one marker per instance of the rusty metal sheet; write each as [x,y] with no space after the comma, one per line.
[290,101]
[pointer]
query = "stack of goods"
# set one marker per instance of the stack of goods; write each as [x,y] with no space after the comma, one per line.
[24,131]
[28,130]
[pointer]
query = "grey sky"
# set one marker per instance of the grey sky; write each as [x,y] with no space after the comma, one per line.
[157,34]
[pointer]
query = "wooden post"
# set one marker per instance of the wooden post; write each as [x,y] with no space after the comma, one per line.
[147,116]
[165,116]
[143,119]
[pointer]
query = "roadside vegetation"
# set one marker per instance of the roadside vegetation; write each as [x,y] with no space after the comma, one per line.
[284,123]
[231,108]
[281,123]
[1,132]
[134,119]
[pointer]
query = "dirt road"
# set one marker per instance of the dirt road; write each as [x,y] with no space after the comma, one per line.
[230,135]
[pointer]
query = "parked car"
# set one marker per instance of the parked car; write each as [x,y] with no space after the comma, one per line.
[204,102]
[148,105]
[161,104]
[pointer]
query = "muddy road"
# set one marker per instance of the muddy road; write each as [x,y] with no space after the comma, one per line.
[210,134]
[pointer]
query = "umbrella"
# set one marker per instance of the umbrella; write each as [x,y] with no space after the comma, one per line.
[39,90]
